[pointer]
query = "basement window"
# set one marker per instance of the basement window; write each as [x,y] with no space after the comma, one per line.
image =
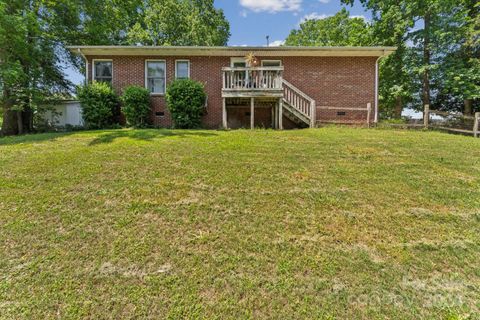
[341,113]
[160,114]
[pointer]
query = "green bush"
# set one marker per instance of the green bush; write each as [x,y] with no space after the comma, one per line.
[136,106]
[186,101]
[99,105]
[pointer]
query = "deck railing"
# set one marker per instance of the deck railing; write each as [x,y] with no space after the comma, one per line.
[252,79]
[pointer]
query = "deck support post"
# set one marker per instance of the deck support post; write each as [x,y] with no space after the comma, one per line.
[313,115]
[277,106]
[273,117]
[252,113]
[280,114]
[224,114]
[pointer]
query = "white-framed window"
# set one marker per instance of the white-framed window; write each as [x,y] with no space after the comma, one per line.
[155,76]
[182,69]
[271,63]
[102,70]
[238,63]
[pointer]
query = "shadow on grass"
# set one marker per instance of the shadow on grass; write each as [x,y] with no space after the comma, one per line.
[147,135]
[32,138]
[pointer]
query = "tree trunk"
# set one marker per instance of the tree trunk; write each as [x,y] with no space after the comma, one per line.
[398,107]
[19,122]
[426,60]
[9,125]
[468,107]
[27,120]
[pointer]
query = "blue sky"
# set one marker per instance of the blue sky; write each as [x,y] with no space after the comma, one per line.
[252,20]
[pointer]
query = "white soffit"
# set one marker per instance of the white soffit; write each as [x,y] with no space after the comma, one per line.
[233,51]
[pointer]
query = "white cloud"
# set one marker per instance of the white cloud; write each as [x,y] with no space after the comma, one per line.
[272,5]
[314,15]
[324,1]
[360,16]
[277,43]
[243,13]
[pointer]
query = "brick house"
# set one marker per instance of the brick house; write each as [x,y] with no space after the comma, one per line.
[279,87]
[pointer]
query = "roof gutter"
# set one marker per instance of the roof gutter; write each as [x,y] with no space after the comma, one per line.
[231,51]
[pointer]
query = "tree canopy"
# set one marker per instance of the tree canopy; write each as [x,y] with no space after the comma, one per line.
[337,30]
[438,50]
[437,57]
[179,23]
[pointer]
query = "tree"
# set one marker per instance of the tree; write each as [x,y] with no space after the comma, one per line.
[179,23]
[29,70]
[337,30]
[460,84]
[428,34]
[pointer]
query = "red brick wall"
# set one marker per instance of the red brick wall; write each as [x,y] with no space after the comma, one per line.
[331,81]
[335,82]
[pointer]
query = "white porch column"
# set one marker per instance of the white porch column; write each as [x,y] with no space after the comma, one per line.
[224,114]
[252,113]
[280,114]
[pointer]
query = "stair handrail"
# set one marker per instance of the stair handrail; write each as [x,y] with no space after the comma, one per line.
[312,107]
[298,91]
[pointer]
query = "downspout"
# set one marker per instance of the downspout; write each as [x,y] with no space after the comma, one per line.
[376,85]
[86,65]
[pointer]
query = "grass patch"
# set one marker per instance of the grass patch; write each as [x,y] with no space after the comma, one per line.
[325,223]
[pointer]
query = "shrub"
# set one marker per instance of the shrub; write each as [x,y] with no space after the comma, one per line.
[185,101]
[99,105]
[136,106]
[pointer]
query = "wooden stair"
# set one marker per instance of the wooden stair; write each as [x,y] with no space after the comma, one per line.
[296,117]
[298,106]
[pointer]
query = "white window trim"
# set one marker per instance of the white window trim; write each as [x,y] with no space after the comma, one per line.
[93,67]
[237,59]
[146,76]
[272,61]
[182,60]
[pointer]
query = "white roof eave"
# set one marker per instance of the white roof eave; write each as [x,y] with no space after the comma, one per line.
[232,51]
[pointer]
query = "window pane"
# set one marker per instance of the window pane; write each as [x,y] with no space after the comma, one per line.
[156,85]
[107,80]
[156,69]
[182,69]
[239,64]
[271,63]
[103,69]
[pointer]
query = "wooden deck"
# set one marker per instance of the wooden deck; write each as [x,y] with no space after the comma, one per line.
[252,82]
[266,82]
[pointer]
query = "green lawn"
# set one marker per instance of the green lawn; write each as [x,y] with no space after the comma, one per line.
[329,223]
